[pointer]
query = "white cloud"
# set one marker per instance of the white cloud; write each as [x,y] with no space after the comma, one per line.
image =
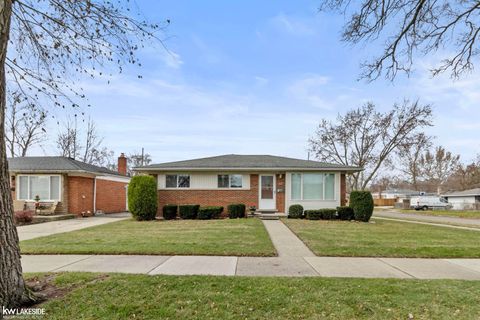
[172,59]
[310,90]
[292,25]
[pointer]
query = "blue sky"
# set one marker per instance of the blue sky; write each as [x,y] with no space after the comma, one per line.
[255,77]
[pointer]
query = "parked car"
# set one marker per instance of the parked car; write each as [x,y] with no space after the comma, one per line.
[429,202]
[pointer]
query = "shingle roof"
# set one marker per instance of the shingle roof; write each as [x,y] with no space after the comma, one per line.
[471,192]
[51,164]
[236,161]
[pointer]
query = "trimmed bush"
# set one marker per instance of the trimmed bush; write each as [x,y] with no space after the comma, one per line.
[188,211]
[345,213]
[23,217]
[236,210]
[362,204]
[170,211]
[328,214]
[313,214]
[212,212]
[142,197]
[295,211]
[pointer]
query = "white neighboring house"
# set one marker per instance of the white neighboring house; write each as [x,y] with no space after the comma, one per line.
[464,200]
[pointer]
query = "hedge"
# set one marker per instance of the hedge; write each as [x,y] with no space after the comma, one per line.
[212,212]
[345,213]
[188,211]
[170,211]
[362,204]
[295,211]
[313,214]
[142,197]
[324,214]
[328,214]
[236,210]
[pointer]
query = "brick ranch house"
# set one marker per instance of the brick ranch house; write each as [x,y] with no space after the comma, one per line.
[82,188]
[267,182]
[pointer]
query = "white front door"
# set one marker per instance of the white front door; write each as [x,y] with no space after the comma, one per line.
[266,197]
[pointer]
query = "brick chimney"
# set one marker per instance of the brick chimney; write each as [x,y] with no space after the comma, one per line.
[122,164]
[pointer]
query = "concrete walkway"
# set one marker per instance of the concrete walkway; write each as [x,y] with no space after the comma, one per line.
[48,228]
[401,268]
[285,241]
[429,223]
[427,218]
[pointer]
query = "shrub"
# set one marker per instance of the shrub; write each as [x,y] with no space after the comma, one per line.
[345,213]
[170,211]
[25,216]
[236,211]
[142,197]
[188,211]
[212,212]
[295,211]
[362,204]
[313,214]
[328,214]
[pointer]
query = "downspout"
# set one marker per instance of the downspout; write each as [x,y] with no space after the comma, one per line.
[94,195]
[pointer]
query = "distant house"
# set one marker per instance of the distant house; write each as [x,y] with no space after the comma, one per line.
[82,188]
[396,194]
[464,200]
[267,182]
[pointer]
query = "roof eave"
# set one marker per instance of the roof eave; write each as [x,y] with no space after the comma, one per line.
[170,169]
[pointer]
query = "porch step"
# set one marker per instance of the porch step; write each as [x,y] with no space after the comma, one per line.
[53,217]
[267,211]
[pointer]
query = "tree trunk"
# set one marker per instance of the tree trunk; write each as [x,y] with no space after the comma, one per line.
[12,285]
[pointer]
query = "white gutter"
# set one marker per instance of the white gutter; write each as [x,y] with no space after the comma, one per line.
[247,169]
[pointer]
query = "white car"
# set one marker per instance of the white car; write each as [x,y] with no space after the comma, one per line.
[429,202]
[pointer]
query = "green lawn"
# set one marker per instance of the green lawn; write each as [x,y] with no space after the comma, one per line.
[385,239]
[446,213]
[118,296]
[240,237]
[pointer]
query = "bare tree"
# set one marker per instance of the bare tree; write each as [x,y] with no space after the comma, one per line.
[137,159]
[25,126]
[367,138]
[51,44]
[68,142]
[407,28]
[439,165]
[466,177]
[409,155]
[84,144]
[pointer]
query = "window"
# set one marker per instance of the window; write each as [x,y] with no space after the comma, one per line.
[230,180]
[223,181]
[45,187]
[313,186]
[235,181]
[177,181]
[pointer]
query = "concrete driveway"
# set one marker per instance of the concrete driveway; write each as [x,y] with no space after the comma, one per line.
[48,228]
[394,214]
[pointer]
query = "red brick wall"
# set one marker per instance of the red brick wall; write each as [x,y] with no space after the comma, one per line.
[111,196]
[80,195]
[280,200]
[343,190]
[211,197]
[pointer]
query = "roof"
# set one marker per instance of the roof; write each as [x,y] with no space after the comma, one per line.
[465,193]
[56,164]
[246,162]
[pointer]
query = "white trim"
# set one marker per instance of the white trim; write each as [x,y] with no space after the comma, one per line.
[17,187]
[178,175]
[113,178]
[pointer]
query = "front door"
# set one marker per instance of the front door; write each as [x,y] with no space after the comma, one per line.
[267,192]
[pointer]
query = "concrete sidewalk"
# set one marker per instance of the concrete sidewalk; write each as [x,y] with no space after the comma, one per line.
[402,268]
[48,228]
[475,223]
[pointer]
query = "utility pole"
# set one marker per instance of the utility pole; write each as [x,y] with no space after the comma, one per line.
[143,156]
